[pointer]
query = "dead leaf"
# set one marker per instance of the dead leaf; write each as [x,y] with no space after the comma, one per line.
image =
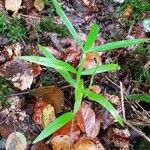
[54,51]
[128,11]
[18,73]
[87,121]
[72,55]
[40,146]
[52,94]
[61,142]
[96,89]
[13,5]
[66,130]
[39,4]
[43,113]
[16,141]
[85,144]
[119,137]
[36,69]
[48,115]
[92,59]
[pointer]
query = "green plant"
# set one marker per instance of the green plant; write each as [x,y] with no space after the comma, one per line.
[4,92]
[138,6]
[140,97]
[47,24]
[65,69]
[13,30]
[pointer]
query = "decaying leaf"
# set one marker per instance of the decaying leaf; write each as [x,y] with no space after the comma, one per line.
[43,113]
[87,144]
[18,72]
[13,5]
[36,69]
[16,141]
[66,130]
[72,55]
[128,11]
[52,94]
[96,89]
[120,137]
[48,114]
[87,121]
[40,146]
[39,4]
[61,142]
[92,59]
[11,51]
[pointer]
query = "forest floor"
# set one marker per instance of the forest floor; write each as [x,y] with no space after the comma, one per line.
[38,23]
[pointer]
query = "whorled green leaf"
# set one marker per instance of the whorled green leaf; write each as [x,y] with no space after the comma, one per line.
[105,103]
[48,62]
[45,52]
[54,126]
[78,96]
[67,23]
[140,97]
[67,77]
[91,37]
[101,69]
[118,44]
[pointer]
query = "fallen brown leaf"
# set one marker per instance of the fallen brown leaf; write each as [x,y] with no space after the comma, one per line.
[87,121]
[36,69]
[40,146]
[16,141]
[52,94]
[43,113]
[17,72]
[61,142]
[92,59]
[119,137]
[128,11]
[66,130]
[87,144]
[13,5]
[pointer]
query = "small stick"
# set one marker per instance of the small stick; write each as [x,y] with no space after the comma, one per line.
[122,100]
[138,131]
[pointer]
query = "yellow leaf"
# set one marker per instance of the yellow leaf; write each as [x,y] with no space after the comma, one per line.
[13,5]
[48,114]
[39,4]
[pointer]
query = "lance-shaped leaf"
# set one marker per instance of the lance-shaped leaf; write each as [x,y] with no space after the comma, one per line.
[48,62]
[54,126]
[67,23]
[67,77]
[91,37]
[105,103]
[101,68]
[78,96]
[118,44]
[140,97]
[45,52]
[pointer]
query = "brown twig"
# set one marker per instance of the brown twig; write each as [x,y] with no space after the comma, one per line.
[122,100]
[138,131]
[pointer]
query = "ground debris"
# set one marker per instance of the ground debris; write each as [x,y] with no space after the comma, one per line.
[18,73]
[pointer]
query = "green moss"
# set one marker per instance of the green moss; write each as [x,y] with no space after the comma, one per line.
[13,29]
[4,92]
[48,25]
[138,6]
